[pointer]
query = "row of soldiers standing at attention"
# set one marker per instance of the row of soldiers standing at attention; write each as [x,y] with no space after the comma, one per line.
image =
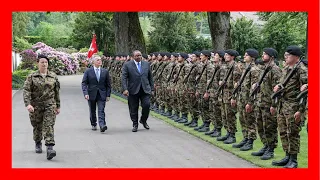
[214,86]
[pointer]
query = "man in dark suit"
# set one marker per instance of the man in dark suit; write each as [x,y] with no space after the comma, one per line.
[96,88]
[137,84]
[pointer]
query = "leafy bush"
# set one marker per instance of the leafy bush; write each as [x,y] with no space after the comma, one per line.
[21,44]
[18,78]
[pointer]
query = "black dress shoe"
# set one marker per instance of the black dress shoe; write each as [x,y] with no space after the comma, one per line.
[94,128]
[135,129]
[103,129]
[145,125]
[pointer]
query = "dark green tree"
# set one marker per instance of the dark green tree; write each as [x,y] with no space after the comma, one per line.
[245,34]
[99,23]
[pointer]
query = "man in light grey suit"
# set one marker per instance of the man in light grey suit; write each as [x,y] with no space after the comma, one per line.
[137,84]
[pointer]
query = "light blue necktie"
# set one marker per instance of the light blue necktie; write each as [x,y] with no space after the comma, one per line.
[98,74]
[139,67]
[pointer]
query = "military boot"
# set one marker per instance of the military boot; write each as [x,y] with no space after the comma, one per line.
[268,154]
[260,152]
[239,145]
[183,119]
[38,147]
[199,127]
[168,113]
[283,161]
[205,128]
[293,163]
[194,123]
[211,132]
[50,152]
[248,145]
[189,122]
[223,138]
[175,116]
[156,108]
[217,133]
[162,110]
[231,139]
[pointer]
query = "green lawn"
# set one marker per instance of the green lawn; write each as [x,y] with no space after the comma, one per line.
[279,154]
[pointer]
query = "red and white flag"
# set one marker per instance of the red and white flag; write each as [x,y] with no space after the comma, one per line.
[93,47]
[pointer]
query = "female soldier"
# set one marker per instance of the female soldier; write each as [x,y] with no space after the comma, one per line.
[41,97]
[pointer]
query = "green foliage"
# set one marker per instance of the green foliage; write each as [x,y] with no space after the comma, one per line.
[33,39]
[20,21]
[83,50]
[18,78]
[284,29]
[98,22]
[172,32]
[146,27]
[21,44]
[245,34]
[199,44]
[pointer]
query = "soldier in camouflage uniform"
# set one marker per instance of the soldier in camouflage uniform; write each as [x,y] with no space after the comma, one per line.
[154,67]
[180,87]
[190,80]
[42,99]
[166,85]
[171,87]
[229,111]
[289,110]
[161,77]
[212,87]
[201,89]
[157,82]
[250,75]
[266,122]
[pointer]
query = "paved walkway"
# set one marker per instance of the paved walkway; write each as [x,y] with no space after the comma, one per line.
[78,146]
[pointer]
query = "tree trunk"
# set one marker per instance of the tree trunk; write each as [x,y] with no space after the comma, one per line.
[128,33]
[219,24]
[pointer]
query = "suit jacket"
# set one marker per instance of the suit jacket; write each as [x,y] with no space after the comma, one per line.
[91,86]
[132,80]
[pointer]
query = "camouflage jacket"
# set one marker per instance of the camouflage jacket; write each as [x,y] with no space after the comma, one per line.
[251,78]
[190,77]
[233,78]
[39,89]
[202,78]
[292,89]
[161,74]
[266,87]
[182,69]
[215,81]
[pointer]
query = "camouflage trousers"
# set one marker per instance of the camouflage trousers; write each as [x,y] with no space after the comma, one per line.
[43,120]
[247,121]
[183,101]
[167,98]
[266,126]
[229,117]
[173,100]
[193,105]
[204,109]
[289,129]
[215,112]
[158,94]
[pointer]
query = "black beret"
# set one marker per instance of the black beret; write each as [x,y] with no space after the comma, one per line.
[294,50]
[145,56]
[184,55]
[155,53]
[206,53]
[175,54]
[168,54]
[271,52]
[162,54]
[253,53]
[42,56]
[197,53]
[221,53]
[232,52]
